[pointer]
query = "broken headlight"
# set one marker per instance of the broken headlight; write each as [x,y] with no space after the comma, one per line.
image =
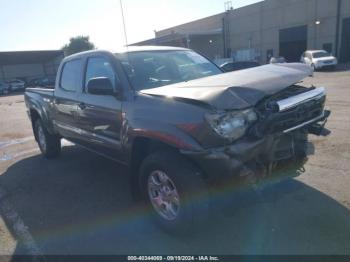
[232,125]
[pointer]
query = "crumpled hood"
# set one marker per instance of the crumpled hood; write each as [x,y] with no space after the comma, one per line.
[236,90]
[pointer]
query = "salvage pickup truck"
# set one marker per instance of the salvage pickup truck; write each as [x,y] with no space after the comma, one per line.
[181,125]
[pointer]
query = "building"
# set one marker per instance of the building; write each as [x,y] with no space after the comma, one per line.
[267,28]
[28,65]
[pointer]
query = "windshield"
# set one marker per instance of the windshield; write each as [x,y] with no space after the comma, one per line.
[150,69]
[320,54]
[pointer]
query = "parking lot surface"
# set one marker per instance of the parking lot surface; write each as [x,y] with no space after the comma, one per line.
[80,203]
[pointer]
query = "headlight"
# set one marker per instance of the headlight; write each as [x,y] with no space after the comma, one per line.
[232,125]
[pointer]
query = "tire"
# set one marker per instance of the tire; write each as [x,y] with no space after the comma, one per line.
[185,178]
[313,67]
[50,145]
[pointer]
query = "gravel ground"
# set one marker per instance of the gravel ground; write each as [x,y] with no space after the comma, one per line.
[80,203]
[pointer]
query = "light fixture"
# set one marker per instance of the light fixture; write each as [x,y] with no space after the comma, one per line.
[210,41]
[318,22]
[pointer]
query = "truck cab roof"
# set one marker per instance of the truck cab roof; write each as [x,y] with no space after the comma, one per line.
[128,49]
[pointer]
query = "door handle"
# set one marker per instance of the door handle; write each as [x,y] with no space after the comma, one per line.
[82,106]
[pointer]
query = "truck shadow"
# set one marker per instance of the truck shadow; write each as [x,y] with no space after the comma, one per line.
[80,203]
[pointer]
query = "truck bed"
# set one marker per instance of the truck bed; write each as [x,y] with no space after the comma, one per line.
[40,90]
[40,100]
[38,94]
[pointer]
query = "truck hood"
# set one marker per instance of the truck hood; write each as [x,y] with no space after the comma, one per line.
[236,90]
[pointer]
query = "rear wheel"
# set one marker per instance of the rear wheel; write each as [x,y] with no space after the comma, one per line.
[175,192]
[50,145]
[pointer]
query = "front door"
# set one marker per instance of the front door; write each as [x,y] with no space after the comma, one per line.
[100,116]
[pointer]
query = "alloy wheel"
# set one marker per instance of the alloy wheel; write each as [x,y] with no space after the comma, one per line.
[163,195]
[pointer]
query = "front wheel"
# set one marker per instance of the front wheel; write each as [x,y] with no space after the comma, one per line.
[50,145]
[175,192]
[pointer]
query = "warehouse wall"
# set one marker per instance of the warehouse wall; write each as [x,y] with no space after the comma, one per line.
[30,71]
[205,24]
[209,45]
[27,70]
[51,67]
[345,40]
[257,27]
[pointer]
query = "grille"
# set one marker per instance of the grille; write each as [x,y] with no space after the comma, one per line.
[298,115]
[328,61]
[273,121]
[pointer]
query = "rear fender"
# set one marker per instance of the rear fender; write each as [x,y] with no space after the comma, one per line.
[42,112]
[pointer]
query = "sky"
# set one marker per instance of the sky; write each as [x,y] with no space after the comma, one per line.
[48,24]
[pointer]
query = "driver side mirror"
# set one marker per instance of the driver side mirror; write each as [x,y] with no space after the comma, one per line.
[100,86]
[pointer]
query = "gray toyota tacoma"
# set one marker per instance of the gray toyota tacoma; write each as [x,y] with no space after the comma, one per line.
[181,125]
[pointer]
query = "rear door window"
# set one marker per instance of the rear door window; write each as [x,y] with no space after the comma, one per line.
[70,79]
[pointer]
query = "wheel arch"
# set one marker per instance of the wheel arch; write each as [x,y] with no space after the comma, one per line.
[34,116]
[143,146]
[38,112]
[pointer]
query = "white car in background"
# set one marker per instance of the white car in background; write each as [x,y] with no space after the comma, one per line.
[16,84]
[319,59]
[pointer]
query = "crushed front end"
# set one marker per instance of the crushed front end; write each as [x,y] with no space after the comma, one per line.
[276,145]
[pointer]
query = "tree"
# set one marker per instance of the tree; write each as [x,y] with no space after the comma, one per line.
[78,44]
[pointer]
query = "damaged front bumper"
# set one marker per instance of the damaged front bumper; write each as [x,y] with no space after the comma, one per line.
[284,153]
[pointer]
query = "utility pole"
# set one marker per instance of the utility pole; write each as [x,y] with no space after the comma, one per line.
[226,29]
[316,24]
[125,35]
[339,4]
[2,72]
[155,37]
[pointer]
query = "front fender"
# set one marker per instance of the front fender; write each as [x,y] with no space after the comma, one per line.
[162,132]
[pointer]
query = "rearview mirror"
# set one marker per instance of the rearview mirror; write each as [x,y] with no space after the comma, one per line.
[100,86]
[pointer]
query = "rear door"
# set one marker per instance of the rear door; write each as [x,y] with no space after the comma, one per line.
[100,116]
[66,99]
